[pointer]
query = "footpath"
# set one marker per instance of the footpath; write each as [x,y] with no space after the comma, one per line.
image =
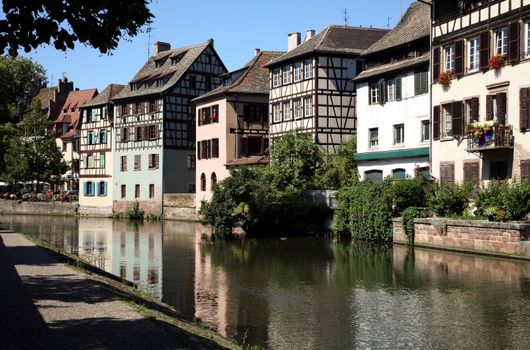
[45,304]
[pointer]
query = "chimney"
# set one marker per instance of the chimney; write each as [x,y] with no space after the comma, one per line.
[161,47]
[257,51]
[211,41]
[65,85]
[309,34]
[293,40]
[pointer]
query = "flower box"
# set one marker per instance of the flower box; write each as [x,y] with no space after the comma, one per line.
[445,78]
[496,62]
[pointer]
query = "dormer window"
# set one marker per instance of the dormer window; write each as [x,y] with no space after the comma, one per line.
[176,59]
[159,63]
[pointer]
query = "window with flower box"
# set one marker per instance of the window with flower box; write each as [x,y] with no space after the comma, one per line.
[449,58]
[473,54]
[501,41]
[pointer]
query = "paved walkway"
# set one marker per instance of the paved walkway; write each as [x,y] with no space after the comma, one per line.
[45,304]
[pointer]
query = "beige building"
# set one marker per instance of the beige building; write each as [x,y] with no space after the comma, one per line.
[95,173]
[480,91]
[232,123]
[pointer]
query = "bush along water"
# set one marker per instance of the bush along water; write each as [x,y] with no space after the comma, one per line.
[504,201]
[134,212]
[407,220]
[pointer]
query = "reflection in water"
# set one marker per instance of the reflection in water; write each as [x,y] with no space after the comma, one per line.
[309,293]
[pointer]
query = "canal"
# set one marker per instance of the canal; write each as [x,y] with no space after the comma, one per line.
[308,293]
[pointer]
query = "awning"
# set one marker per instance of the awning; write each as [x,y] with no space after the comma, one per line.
[405,153]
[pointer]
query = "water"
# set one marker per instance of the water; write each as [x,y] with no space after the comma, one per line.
[309,293]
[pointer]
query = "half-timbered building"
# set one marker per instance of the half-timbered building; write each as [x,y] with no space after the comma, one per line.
[233,123]
[154,125]
[481,90]
[95,149]
[311,87]
[66,128]
[393,101]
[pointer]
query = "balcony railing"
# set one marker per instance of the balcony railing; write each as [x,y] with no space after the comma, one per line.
[489,138]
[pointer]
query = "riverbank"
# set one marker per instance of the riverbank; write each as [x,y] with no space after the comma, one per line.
[50,304]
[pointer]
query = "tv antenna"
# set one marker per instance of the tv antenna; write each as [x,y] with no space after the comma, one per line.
[346,18]
[388,22]
[149,30]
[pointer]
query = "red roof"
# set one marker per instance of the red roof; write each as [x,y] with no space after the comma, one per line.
[75,100]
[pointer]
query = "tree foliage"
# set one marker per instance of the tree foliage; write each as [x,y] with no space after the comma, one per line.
[99,24]
[32,153]
[340,168]
[18,78]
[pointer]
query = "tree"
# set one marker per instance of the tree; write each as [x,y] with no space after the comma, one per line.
[18,79]
[32,154]
[340,168]
[99,24]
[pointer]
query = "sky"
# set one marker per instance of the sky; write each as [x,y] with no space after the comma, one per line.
[237,27]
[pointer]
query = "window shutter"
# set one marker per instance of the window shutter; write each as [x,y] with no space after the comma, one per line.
[525,170]
[398,88]
[484,49]
[102,160]
[447,173]
[524,108]
[381,89]
[156,161]
[146,132]
[501,107]
[85,161]
[199,150]
[513,42]
[459,58]
[489,107]
[471,172]
[435,64]
[417,83]
[436,123]
[456,119]
[474,109]
[84,189]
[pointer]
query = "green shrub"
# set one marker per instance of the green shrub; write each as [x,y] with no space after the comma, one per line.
[409,193]
[490,196]
[134,212]
[407,220]
[449,200]
[516,200]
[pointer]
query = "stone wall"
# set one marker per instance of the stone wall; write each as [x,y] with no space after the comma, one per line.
[179,207]
[95,211]
[38,208]
[150,207]
[508,239]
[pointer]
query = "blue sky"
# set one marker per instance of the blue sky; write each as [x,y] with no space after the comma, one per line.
[237,26]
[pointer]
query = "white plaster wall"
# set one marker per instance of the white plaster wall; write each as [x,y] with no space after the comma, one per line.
[475,85]
[409,164]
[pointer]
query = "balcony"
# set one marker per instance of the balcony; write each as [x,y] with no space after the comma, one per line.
[488,136]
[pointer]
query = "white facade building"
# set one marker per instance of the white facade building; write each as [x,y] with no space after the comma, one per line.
[393,126]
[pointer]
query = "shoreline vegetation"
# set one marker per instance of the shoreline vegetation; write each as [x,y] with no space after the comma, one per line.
[194,334]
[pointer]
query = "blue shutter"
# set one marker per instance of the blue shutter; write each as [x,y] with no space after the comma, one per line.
[85,161]
[105,187]
[102,160]
[84,116]
[104,136]
[84,188]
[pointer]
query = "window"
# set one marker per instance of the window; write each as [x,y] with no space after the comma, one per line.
[123,163]
[152,106]
[447,172]
[102,160]
[191,188]
[374,93]
[214,181]
[137,191]
[391,90]
[373,175]
[471,110]
[139,133]
[373,136]
[215,148]
[214,116]
[425,130]
[286,109]
[308,68]
[473,57]
[421,83]
[203,182]
[308,106]
[297,108]
[276,113]
[255,146]
[399,174]
[298,71]
[287,70]
[496,107]
[191,161]
[449,58]
[447,127]
[90,138]
[471,171]
[153,161]
[102,188]
[527,41]
[153,132]
[151,191]
[399,134]
[276,77]
[89,189]
[501,41]
[137,162]
[123,191]
[103,136]
[498,170]
[125,135]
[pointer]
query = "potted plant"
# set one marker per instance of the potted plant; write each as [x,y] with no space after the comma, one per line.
[445,78]
[496,62]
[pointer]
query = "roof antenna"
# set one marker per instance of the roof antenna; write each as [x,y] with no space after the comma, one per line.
[149,30]
[388,22]
[346,18]
[402,8]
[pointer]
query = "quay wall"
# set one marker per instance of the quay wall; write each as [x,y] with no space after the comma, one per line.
[476,236]
[38,208]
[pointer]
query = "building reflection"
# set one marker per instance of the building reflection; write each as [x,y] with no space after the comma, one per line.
[130,250]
